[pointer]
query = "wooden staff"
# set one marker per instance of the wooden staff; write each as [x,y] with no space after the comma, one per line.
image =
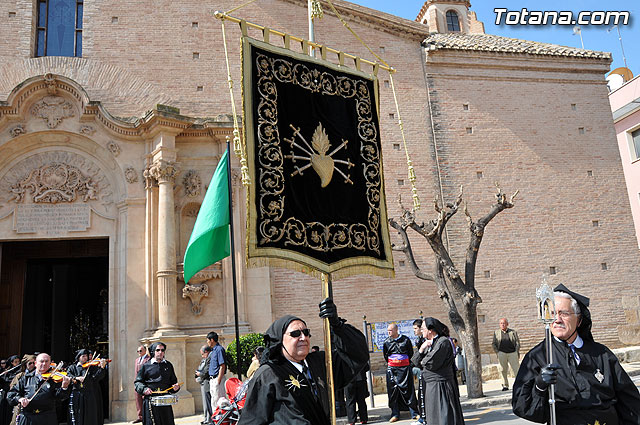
[164,391]
[327,292]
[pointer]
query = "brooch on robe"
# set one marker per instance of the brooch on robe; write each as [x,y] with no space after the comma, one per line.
[599,376]
[293,382]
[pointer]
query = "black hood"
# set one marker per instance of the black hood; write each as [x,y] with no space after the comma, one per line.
[584,328]
[273,336]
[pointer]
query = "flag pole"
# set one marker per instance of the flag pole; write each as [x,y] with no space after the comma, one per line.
[233,265]
[327,292]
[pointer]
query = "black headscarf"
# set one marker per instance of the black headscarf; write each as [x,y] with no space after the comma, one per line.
[152,348]
[82,352]
[273,337]
[436,325]
[584,328]
[11,359]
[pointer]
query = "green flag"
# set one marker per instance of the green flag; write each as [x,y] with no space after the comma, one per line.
[209,240]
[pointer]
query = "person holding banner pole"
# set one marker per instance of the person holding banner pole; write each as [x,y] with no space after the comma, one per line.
[290,387]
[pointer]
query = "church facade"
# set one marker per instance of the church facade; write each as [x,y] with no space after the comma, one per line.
[110,131]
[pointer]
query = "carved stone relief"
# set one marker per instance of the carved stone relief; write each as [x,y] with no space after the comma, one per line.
[131,175]
[195,293]
[191,210]
[55,177]
[114,148]
[53,110]
[162,170]
[192,184]
[17,130]
[88,130]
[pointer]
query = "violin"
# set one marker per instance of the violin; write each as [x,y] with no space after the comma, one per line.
[55,376]
[95,362]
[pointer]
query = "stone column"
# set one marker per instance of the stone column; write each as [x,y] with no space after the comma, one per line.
[164,172]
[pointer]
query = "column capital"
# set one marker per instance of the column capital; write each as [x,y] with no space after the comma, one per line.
[163,171]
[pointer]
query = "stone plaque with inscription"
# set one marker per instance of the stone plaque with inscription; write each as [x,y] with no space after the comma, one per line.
[52,219]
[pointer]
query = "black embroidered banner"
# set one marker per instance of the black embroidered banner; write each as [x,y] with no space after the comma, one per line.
[316,199]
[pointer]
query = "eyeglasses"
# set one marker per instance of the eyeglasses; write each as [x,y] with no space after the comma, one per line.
[160,349]
[30,363]
[564,314]
[298,332]
[140,351]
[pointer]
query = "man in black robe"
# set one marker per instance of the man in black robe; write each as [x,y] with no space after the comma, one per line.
[290,386]
[436,357]
[84,401]
[590,384]
[155,379]
[37,395]
[398,350]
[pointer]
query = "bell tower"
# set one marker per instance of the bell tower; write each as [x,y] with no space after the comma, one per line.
[450,16]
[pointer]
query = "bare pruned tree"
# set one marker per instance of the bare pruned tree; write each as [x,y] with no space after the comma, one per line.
[456,291]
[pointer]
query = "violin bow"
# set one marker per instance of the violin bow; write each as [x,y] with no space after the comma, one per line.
[87,371]
[58,367]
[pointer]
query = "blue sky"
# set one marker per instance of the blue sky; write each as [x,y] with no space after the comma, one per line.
[594,37]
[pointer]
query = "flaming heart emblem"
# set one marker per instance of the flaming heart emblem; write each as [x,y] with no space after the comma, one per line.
[323,164]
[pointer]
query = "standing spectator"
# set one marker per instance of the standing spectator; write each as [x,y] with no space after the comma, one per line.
[202,378]
[255,361]
[356,392]
[461,362]
[10,372]
[28,365]
[506,344]
[417,324]
[438,375]
[398,350]
[217,368]
[142,358]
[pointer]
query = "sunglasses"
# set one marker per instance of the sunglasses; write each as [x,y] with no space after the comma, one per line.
[160,349]
[139,351]
[298,332]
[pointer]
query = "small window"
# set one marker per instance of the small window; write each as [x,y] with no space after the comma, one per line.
[487,274]
[196,55]
[604,266]
[59,28]
[381,49]
[595,223]
[199,88]
[392,115]
[574,107]
[465,106]
[581,130]
[635,140]
[396,146]
[469,130]
[481,318]
[194,25]
[589,173]
[453,23]
[400,182]
[552,270]
[479,174]
[401,263]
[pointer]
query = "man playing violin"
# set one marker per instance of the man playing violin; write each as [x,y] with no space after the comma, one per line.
[36,392]
[156,378]
[85,407]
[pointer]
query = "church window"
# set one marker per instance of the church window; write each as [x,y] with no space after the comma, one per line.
[453,23]
[59,28]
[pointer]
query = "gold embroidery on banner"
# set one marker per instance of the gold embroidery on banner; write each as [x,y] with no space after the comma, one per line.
[322,163]
[271,201]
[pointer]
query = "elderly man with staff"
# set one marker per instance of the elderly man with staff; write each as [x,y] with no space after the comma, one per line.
[585,384]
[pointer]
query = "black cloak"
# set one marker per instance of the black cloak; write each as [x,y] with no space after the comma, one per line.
[279,393]
[85,402]
[595,389]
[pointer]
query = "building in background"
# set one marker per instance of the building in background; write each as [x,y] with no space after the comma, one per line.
[114,114]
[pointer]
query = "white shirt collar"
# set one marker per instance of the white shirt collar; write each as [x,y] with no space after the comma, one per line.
[153,360]
[578,342]
[298,365]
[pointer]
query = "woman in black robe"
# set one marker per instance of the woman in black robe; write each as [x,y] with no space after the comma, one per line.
[437,359]
[287,394]
[84,401]
[154,377]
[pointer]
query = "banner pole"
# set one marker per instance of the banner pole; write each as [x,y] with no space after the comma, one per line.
[233,263]
[327,292]
[369,375]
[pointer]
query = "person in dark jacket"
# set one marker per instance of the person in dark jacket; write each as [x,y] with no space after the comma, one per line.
[202,378]
[84,401]
[156,378]
[290,386]
[12,369]
[436,357]
[37,395]
[590,384]
[397,350]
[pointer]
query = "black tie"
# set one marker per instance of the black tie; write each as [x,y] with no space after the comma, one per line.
[307,374]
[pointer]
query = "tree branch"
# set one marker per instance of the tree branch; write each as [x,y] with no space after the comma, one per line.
[477,232]
[408,252]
